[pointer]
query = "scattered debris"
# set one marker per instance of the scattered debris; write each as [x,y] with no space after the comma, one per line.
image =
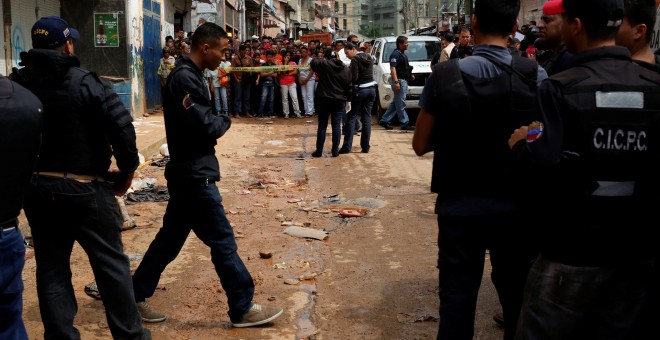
[292,282]
[265,254]
[243,192]
[280,265]
[426,317]
[332,198]
[274,142]
[293,223]
[352,212]
[164,151]
[306,232]
[257,185]
[128,223]
[151,194]
[139,183]
[308,276]
[160,162]
[410,318]
[271,298]
[92,290]
[294,200]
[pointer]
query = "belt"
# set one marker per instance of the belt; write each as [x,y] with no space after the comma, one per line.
[11,225]
[68,175]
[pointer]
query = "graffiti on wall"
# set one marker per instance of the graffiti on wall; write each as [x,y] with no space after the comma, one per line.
[136,60]
[18,44]
[168,28]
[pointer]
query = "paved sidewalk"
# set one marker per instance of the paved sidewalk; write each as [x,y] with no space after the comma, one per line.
[150,133]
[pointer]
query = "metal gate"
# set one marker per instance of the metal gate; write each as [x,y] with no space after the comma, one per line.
[151,52]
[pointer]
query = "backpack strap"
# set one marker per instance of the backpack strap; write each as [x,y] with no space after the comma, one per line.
[451,86]
[524,68]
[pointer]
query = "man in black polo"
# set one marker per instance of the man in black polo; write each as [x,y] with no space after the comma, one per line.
[401,74]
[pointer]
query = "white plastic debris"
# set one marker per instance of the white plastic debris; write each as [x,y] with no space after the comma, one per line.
[164,151]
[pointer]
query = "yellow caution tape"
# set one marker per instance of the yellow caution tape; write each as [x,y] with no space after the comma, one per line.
[265,68]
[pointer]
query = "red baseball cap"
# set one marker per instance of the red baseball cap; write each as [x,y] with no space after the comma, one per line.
[553,7]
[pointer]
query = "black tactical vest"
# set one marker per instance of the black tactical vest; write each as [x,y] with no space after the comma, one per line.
[471,155]
[74,138]
[612,135]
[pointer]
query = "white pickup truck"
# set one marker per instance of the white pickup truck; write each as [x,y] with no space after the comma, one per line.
[421,50]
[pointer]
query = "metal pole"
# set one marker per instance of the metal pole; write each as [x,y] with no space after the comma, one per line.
[263,31]
[437,19]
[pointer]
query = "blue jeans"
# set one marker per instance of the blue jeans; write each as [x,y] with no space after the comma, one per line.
[329,109]
[221,104]
[267,95]
[570,302]
[61,212]
[362,104]
[308,96]
[462,245]
[197,206]
[12,259]
[398,105]
[242,97]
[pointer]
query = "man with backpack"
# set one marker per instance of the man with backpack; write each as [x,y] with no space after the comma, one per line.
[481,198]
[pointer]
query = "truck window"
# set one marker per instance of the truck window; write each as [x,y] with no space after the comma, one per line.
[417,50]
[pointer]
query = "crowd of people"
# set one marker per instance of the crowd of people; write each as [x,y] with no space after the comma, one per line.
[544,156]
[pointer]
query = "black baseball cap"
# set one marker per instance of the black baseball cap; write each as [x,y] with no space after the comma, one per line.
[608,13]
[52,32]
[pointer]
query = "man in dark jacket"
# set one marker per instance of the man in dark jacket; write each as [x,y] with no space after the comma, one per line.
[597,137]
[192,127]
[333,90]
[70,198]
[555,56]
[21,121]
[481,203]
[364,93]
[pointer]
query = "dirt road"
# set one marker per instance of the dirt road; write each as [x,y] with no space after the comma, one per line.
[373,277]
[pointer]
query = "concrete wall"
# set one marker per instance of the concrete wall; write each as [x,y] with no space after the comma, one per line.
[135,61]
[106,61]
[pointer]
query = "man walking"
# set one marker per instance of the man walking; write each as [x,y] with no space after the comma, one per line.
[70,199]
[195,202]
[401,73]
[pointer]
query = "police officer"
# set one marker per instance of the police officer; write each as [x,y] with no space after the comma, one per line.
[599,140]
[192,127]
[364,93]
[21,122]
[401,73]
[70,198]
[481,203]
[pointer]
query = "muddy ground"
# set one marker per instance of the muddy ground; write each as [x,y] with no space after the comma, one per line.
[373,277]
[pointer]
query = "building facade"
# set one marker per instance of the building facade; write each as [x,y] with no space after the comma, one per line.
[121,40]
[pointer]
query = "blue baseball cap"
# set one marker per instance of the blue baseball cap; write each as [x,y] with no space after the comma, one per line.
[52,32]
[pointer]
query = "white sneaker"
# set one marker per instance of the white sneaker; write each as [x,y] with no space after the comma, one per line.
[258,315]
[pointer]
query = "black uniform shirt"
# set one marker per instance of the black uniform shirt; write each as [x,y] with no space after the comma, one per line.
[192,125]
[21,121]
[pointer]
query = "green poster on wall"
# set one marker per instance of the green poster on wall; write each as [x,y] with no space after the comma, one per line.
[106,30]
